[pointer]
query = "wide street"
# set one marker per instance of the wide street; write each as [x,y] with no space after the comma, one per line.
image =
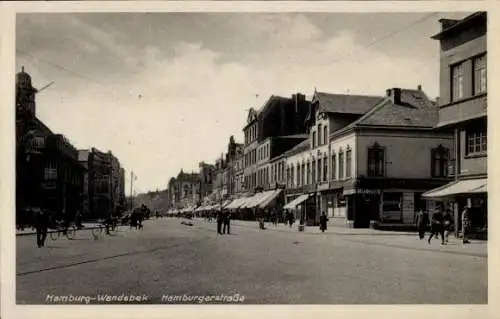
[342,266]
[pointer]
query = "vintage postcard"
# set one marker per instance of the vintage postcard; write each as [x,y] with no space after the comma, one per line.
[216,156]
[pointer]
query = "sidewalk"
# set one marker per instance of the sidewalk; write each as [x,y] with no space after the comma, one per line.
[395,239]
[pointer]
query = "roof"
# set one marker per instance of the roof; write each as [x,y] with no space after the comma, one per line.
[302,146]
[294,136]
[451,25]
[345,103]
[415,110]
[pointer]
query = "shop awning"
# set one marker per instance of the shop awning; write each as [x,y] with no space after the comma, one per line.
[259,198]
[266,201]
[467,186]
[297,201]
[235,203]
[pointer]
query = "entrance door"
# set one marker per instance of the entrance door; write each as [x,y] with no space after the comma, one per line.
[366,207]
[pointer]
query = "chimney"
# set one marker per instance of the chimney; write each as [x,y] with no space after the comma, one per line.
[419,87]
[394,94]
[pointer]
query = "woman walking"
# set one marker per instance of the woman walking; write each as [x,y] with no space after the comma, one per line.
[322,222]
[422,223]
[437,226]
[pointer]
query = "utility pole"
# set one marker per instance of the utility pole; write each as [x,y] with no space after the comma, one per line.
[131,188]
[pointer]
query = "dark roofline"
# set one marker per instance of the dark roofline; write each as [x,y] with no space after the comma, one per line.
[470,19]
[43,125]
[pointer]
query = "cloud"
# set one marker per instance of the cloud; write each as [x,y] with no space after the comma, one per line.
[162,109]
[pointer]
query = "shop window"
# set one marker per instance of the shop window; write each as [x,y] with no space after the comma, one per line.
[439,163]
[376,161]
[476,142]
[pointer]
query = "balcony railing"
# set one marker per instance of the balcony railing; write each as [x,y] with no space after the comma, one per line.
[451,168]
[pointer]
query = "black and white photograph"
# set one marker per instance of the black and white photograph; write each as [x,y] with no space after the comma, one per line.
[250,158]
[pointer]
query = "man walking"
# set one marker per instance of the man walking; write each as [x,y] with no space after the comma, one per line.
[422,223]
[226,221]
[219,222]
[465,225]
[437,226]
[41,223]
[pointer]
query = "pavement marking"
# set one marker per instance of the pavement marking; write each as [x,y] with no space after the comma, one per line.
[108,257]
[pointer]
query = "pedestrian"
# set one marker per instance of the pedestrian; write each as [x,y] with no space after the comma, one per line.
[219,222]
[322,222]
[290,219]
[437,227]
[226,220]
[42,224]
[422,222]
[447,224]
[465,225]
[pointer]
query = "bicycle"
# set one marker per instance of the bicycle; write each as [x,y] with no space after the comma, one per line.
[61,230]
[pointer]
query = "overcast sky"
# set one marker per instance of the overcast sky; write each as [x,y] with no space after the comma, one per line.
[164,91]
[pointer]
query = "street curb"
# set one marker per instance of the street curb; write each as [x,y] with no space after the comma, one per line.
[53,231]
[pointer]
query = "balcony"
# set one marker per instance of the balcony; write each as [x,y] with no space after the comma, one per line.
[451,168]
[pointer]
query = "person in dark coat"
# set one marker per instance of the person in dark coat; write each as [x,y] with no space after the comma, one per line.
[41,224]
[322,221]
[437,226]
[226,221]
[447,224]
[219,222]
[422,223]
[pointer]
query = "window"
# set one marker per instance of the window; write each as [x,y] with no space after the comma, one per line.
[50,172]
[334,167]
[304,174]
[479,75]
[319,170]
[314,140]
[341,165]
[308,178]
[476,142]
[325,169]
[457,82]
[313,171]
[325,134]
[439,163]
[38,142]
[376,161]
[348,163]
[320,141]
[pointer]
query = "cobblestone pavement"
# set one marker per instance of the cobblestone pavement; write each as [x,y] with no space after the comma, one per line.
[265,266]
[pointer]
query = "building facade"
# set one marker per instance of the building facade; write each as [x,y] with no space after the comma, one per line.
[48,174]
[184,190]
[359,171]
[278,117]
[463,111]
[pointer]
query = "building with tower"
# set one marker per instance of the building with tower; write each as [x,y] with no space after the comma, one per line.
[48,173]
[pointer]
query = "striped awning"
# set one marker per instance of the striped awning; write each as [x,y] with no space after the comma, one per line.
[297,201]
[467,186]
[268,199]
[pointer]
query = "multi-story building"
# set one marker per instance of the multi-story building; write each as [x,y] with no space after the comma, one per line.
[184,190]
[463,111]
[48,174]
[357,168]
[206,172]
[280,116]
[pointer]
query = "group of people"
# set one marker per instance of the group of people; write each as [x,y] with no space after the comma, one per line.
[441,225]
[223,222]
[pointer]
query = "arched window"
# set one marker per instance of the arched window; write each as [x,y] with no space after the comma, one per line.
[439,161]
[376,160]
